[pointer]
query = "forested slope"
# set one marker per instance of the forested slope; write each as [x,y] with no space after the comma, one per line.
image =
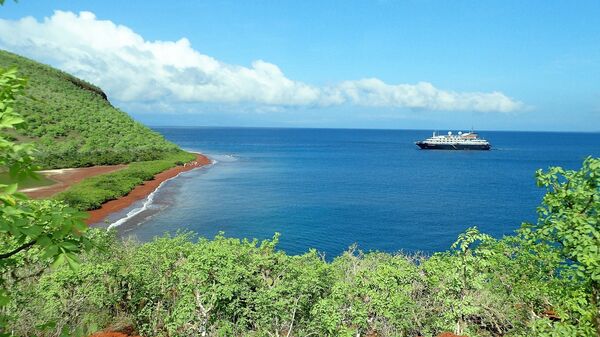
[73,124]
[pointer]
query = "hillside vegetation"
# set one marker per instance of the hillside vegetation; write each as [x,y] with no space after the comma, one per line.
[72,124]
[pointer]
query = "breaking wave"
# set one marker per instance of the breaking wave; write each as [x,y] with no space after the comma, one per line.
[149,200]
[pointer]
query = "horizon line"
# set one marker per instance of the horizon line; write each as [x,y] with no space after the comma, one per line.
[352,128]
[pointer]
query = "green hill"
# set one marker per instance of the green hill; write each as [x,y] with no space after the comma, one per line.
[73,124]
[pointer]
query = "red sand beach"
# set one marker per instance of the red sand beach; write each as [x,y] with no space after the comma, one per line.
[142,191]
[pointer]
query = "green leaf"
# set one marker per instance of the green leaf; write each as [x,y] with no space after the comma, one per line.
[60,259]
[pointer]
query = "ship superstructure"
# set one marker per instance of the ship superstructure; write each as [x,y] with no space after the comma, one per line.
[460,141]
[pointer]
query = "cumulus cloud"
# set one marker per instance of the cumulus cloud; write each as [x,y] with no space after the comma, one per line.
[132,69]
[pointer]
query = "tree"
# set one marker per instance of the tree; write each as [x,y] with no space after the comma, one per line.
[569,219]
[45,231]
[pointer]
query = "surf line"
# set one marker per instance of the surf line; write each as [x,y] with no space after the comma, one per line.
[141,192]
[150,198]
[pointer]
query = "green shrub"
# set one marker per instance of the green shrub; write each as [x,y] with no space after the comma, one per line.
[180,286]
[92,192]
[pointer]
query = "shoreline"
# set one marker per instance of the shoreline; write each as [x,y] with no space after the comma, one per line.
[144,190]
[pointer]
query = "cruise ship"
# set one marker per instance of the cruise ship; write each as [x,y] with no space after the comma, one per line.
[461,141]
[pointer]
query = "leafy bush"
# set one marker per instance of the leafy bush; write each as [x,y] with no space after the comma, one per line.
[180,286]
[33,234]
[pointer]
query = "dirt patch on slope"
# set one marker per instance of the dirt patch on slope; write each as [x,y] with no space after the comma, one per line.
[66,177]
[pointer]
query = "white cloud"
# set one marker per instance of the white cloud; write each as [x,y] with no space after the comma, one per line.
[137,71]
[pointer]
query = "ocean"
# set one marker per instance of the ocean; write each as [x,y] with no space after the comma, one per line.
[331,188]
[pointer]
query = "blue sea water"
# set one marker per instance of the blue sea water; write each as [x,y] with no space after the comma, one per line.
[330,188]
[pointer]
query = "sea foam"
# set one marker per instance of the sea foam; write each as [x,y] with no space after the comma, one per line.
[150,199]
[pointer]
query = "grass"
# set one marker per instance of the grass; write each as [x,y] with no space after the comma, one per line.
[92,192]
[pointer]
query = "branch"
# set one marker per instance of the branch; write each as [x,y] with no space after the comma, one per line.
[19,279]
[18,249]
[588,204]
[293,316]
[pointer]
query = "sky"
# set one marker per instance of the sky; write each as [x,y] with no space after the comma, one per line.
[490,65]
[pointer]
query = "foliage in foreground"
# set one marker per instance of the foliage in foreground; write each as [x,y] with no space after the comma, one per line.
[92,192]
[72,124]
[32,234]
[531,284]
[228,287]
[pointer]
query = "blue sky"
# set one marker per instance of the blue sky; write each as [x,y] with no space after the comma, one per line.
[499,65]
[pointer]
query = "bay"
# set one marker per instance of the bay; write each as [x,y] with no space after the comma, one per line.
[330,188]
